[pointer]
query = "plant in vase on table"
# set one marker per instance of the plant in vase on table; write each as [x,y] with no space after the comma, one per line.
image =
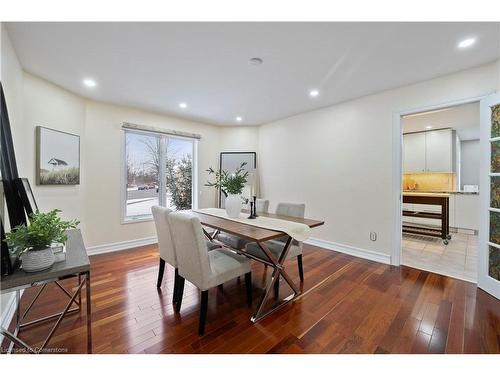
[231,184]
[33,242]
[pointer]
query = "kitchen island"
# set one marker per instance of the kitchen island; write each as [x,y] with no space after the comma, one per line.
[437,199]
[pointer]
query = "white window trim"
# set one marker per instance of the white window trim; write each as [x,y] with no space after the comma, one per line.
[124,219]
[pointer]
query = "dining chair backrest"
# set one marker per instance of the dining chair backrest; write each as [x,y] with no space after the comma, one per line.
[164,233]
[291,209]
[190,245]
[262,205]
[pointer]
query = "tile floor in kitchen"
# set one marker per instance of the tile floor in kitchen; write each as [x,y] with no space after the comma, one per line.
[457,259]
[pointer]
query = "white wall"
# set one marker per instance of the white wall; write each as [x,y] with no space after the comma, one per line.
[103,150]
[239,138]
[469,162]
[338,160]
[50,106]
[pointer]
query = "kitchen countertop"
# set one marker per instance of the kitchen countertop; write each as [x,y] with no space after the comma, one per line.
[425,194]
[440,192]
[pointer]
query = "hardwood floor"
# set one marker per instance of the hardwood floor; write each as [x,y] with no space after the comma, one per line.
[349,305]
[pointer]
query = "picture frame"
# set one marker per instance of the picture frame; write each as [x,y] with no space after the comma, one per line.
[27,196]
[57,157]
[230,161]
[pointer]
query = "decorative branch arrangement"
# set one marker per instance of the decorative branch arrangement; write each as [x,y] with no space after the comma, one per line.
[229,183]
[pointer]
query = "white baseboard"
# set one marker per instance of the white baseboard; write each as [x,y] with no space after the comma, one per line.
[329,245]
[8,315]
[123,245]
[350,250]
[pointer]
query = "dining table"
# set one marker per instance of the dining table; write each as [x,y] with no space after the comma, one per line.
[255,231]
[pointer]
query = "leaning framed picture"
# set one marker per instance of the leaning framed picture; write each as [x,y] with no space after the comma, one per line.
[230,162]
[24,188]
[58,157]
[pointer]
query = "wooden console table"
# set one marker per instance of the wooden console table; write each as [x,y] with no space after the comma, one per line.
[437,199]
[76,265]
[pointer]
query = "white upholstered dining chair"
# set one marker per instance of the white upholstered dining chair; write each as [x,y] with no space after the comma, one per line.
[276,246]
[262,206]
[202,268]
[166,245]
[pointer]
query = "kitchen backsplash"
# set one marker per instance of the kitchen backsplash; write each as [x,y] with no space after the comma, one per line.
[429,182]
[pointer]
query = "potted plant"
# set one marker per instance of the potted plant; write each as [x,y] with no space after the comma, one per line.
[231,184]
[33,242]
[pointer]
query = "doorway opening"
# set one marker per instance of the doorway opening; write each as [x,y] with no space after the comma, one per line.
[439,186]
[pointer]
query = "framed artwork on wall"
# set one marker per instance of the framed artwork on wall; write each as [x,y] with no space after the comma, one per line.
[58,157]
[230,162]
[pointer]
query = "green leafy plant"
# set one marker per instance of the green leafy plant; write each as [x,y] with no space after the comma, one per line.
[229,183]
[43,230]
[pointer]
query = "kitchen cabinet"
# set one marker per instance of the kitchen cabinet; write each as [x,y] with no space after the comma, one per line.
[414,152]
[431,151]
[467,211]
[439,147]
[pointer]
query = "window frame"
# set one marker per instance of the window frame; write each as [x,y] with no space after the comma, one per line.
[124,219]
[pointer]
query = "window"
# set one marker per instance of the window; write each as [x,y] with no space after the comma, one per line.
[159,170]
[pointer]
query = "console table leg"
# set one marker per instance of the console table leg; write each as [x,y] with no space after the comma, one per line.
[89,313]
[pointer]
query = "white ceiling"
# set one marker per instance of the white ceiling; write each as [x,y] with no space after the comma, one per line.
[463,118]
[155,66]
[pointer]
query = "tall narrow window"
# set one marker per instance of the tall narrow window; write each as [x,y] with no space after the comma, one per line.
[159,170]
[179,174]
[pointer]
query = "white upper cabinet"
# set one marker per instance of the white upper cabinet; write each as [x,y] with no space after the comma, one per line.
[414,152]
[431,151]
[439,150]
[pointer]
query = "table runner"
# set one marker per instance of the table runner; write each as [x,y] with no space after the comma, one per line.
[297,231]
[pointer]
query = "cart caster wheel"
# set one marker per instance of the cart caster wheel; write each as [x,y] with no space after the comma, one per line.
[448,237]
[445,242]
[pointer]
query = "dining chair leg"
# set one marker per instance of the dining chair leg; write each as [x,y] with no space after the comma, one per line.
[180,292]
[203,312]
[301,270]
[248,285]
[160,273]
[176,286]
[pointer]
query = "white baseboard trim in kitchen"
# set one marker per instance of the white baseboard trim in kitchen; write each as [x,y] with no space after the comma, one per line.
[8,315]
[118,246]
[350,250]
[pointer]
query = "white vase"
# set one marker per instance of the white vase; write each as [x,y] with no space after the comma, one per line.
[37,260]
[233,205]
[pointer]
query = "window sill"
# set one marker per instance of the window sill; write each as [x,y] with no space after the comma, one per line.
[133,220]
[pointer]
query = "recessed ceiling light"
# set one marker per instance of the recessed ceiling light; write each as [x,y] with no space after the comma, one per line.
[428,127]
[466,42]
[239,119]
[89,82]
[183,105]
[255,61]
[313,93]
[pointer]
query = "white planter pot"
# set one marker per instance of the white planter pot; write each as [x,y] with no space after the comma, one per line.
[233,205]
[39,260]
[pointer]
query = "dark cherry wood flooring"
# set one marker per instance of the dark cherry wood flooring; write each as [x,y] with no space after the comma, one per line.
[348,305]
